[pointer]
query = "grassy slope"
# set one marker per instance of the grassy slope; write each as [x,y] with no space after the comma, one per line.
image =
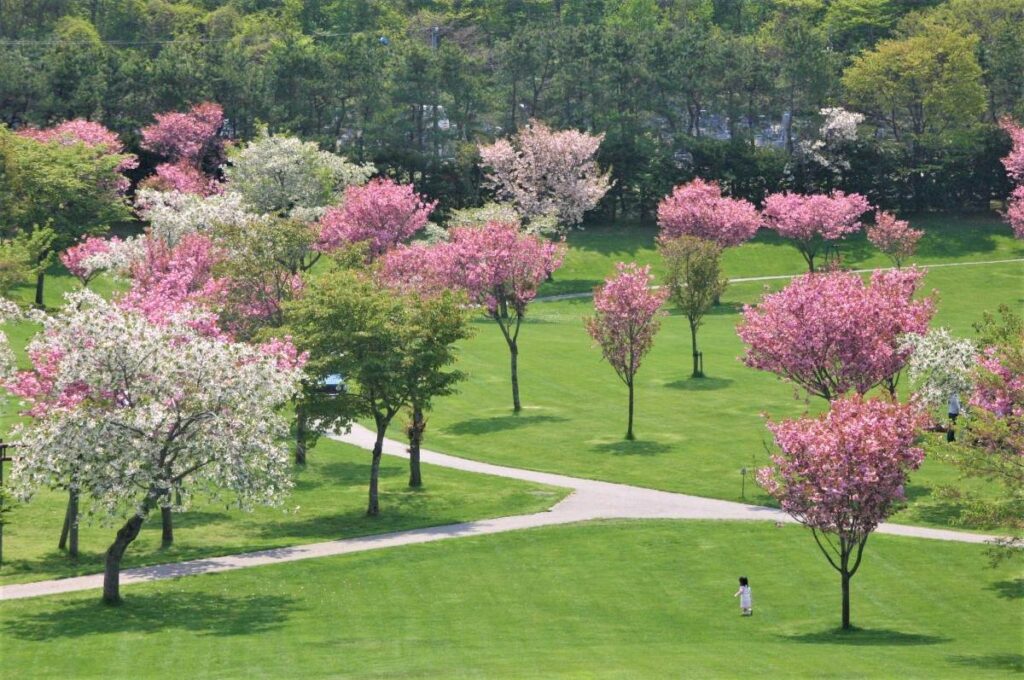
[694,436]
[607,600]
[329,502]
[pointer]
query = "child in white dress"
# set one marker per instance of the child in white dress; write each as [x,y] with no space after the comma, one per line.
[746,600]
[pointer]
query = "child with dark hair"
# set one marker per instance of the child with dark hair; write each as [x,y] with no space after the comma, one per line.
[746,600]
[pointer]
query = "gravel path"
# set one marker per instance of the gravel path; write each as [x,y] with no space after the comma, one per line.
[590,499]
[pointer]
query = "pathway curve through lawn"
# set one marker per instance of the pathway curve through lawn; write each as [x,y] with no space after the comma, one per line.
[779,277]
[590,499]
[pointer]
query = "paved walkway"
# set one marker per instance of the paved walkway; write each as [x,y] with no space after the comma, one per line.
[590,499]
[779,277]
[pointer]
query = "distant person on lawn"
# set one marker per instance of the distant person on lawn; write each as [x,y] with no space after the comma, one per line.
[954,411]
[746,599]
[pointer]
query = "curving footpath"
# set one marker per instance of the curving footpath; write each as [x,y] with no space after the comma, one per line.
[590,499]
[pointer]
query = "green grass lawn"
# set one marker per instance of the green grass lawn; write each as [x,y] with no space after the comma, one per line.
[328,502]
[599,600]
[693,436]
[594,251]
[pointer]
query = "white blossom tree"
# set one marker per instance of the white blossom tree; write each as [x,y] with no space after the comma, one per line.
[940,365]
[283,175]
[141,416]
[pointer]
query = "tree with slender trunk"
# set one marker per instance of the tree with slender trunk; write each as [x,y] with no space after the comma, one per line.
[158,411]
[814,221]
[625,320]
[893,237]
[694,281]
[390,348]
[842,473]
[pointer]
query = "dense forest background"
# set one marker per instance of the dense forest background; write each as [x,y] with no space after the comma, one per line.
[726,89]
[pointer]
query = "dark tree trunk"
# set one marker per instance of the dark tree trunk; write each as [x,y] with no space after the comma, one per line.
[125,535]
[416,429]
[167,535]
[373,509]
[70,529]
[300,437]
[846,599]
[513,349]
[629,422]
[697,373]
[40,280]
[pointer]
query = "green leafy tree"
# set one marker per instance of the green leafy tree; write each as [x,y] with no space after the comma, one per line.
[392,351]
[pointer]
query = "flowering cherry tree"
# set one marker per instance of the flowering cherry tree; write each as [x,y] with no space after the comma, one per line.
[624,323]
[699,209]
[191,143]
[842,473]
[1015,211]
[86,260]
[141,415]
[830,333]
[173,214]
[381,214]
[1014,164]
[544,172]
[893,237]
[813,220]
[940,365]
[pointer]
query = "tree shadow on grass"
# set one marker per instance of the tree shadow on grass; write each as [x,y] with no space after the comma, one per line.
[499,423]
[867,637]
[202,613]
[633,448]
[930,507]
[1003,662]
[1009,590]
[704,384]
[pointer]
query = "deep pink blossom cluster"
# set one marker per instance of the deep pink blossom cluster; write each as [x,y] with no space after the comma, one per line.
[1014,163]
[188,140]
[626,317]
[381,213]
[844,471]
[812,220]
[80,259]
[893,237]
[95,135]
[699,209]
[1002,390]
[830,333]
[41,387]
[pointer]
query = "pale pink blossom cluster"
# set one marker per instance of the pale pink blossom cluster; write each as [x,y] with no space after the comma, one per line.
[381,213]
[94,135]
[626,311]
[699,209]
[87,259]
[844,471]
[812,219]
[1015,211]
[893,237]
[547,172]
[186,139]
[830,333]
[1001,390]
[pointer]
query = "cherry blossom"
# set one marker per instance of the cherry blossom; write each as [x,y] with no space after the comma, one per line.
[86,260]
[893,237]
[812,220]
[95,135]
[699,209]
[625,320]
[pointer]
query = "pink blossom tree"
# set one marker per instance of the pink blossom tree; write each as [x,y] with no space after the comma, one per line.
[381,213]
[813,220]
[93,135]
[547,172]
[191,143]
[85,260]
[830,333]
[624,323]
[893,237]
[842,473]
[699,209]
[1014,163]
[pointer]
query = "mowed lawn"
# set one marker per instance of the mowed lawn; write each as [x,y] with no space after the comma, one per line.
[599,600]
[328,503]
[693,436]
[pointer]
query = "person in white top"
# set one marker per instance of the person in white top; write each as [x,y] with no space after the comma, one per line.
[746,599]
[954,411]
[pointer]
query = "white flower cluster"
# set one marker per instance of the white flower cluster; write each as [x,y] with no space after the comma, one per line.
[940,365]
[145,413]
[546,225]
[173,214]
[839,125]
[285,176]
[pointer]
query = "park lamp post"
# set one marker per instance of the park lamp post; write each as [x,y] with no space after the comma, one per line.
[4,458]
[743,483]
